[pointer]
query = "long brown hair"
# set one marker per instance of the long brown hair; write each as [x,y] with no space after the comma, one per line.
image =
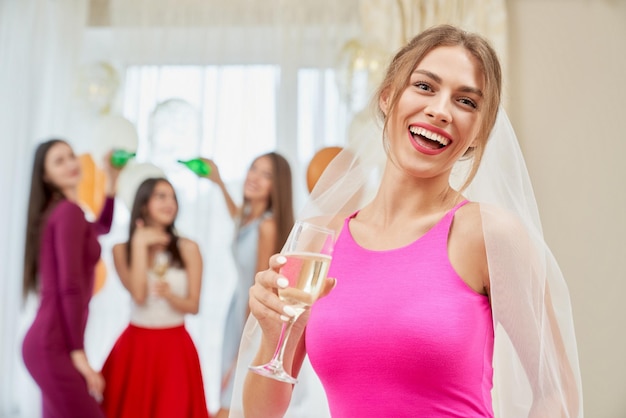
[403,64]
[139,212]
[42,195]
[281,197]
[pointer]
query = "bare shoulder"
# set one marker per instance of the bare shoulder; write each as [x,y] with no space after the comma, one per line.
[187,246]
[268,226]
[468,224]
[501,227]
[466,248]
[474,220]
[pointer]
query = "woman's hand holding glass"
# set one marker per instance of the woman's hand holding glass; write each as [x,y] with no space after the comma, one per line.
[295,280]
[148,245]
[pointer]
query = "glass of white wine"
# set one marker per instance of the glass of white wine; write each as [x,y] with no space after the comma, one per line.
[308,251]
[160,264]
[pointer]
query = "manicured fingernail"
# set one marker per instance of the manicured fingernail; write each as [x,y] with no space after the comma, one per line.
[284,318]
[282,282]
[281,259]
[289,310]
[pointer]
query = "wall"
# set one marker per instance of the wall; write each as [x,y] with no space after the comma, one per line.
[566,97]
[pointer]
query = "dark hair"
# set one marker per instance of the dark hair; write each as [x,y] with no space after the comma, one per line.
[398,77]
[281,197]
[42,195]
[138,212]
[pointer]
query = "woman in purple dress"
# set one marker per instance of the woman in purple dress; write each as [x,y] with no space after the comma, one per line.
[61,253]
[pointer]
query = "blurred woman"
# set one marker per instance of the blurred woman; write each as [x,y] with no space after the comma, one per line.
[61,253]
[263,223]
[153,370]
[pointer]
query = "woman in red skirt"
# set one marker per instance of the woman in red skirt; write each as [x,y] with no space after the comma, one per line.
[153,370]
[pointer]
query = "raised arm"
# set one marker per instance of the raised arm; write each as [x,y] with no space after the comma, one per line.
[103,224]
[104,221]
[134,275]
[215,177]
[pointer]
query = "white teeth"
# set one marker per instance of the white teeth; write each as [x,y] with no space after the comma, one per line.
[416,130]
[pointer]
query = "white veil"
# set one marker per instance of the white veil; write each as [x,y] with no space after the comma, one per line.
[536,372]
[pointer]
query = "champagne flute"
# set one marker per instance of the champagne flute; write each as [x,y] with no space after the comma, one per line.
[161,264]
[308,252]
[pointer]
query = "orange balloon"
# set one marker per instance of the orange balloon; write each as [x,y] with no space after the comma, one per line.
[91,194]
[101,276]
[318,164]
[91,186]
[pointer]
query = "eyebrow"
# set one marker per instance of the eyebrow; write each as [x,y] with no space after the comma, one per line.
[465,89]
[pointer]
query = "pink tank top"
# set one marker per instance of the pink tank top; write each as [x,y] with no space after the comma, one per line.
[402,335]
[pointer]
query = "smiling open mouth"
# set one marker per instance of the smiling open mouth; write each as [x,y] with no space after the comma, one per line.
[428,139]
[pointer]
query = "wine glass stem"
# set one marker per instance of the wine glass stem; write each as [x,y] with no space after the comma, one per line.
[277,358]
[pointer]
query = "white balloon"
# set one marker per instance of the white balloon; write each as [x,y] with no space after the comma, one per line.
[97,85]
[360,68]
[112,131]
[131,178]
[174,131]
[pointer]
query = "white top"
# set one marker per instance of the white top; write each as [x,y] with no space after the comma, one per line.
[156,312]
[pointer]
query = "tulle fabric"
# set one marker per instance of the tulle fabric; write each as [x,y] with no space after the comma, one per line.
[536,369]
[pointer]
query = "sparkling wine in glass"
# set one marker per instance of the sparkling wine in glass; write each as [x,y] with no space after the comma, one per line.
[161,264]
[308,251]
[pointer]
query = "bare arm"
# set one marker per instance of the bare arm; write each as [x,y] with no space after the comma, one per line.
[134,277]
[522,304]
[215,177]
[134,280]
[193,267]
[263,397]
[269,398]
[517,286]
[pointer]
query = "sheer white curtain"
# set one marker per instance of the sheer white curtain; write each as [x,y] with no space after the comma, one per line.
[39,43]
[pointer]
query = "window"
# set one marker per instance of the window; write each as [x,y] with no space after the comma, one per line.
[222,112]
